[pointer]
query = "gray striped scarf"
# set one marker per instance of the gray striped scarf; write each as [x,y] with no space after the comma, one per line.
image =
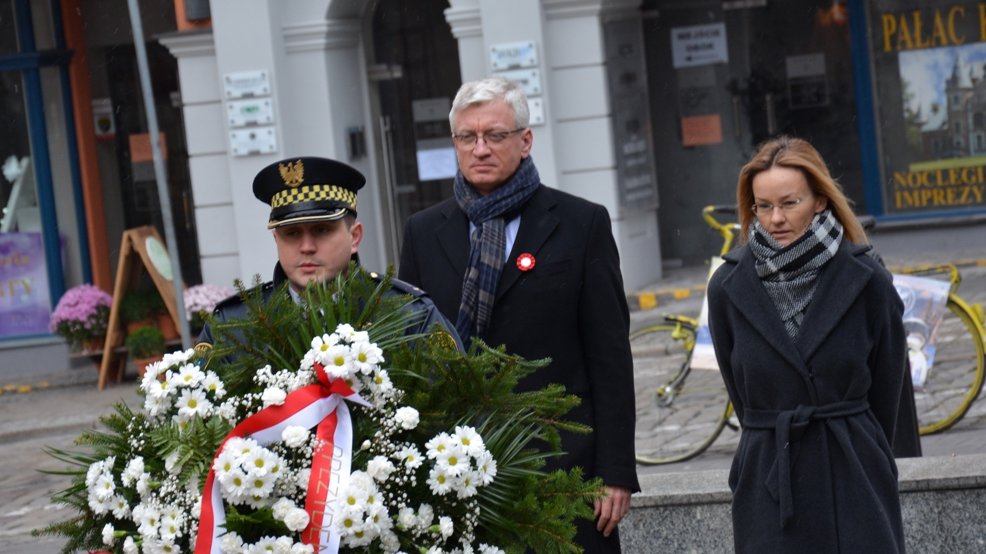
[488,242]
[790,273]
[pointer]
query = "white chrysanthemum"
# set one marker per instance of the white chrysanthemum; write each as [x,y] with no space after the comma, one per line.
[465,484]
[282,507]
[260,486]
[453,460]
[486,467]
[407,417]
[129,546]
[108,538]
[303,476]
[235,483]
[260,461]
[104,487]
[337,362]
[231,543]
[135,467]
[176,358]
[445,526]
[273,396]
[149,519]
[345,331]
[193,403]
[380,468]
[225,462]
[380,383]
[240,447]
[439,481]
[301,548]
[425,515]
[212,384]
[171,463]
[157,406]
[487,549]
[170,528]
[438,445]
[366,356]
[296,519]
[121,510]
[189,375]
[406,518]
[295,436]
[469,439]
[409,456]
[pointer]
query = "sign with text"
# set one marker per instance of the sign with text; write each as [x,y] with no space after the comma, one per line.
[929,59]
[25,307]
[699,45]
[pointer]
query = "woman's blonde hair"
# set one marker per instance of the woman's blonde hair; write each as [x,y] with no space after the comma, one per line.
[795,153]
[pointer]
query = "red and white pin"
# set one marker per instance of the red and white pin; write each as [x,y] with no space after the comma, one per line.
[525,262]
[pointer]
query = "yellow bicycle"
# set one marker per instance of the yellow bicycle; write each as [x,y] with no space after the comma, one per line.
[681,410]
[956,377]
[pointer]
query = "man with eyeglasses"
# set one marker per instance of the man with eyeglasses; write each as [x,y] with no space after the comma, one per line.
[514,262]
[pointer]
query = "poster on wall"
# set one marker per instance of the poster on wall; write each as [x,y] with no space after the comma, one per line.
[929,59]
[24,304]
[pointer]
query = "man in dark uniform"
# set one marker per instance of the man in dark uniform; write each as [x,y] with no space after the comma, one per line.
[313,220]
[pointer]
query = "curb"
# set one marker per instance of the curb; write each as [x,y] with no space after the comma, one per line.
[644,300]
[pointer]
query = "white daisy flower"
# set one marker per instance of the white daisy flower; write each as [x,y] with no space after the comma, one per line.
[259,461]
[259,486]
[439,481]
[345,331]
[453,460]
[366,356]
[212,384]
[438,444]
[224,463]
[465,485]
[235,483]
[469,439]
[193,403]
[409,456]
[337,362]
[486,467]
[189,375]
[301,548]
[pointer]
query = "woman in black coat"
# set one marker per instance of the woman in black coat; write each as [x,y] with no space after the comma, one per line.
[808,333]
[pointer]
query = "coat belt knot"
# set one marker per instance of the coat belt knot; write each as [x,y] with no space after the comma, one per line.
[789,426]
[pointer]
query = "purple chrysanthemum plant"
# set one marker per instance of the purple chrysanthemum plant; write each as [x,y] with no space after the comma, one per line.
[82,314]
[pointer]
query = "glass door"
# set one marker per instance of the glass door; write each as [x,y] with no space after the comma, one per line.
[725,76]
[415,69]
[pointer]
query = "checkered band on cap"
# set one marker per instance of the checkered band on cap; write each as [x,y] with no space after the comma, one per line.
[314,193]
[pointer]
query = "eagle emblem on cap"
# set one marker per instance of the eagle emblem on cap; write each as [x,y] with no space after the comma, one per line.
[293,173]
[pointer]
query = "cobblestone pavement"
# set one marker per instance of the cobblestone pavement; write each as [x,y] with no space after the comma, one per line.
[54,415]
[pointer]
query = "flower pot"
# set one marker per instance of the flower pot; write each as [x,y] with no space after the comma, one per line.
[93,345]
[142,363]
[134,325]
[167,326]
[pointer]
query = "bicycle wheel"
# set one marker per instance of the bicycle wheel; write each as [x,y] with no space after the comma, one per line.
[680,410]
[956,376]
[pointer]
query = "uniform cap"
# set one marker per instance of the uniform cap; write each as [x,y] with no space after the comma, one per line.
[307,189]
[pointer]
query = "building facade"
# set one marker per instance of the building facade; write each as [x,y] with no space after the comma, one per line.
[648,107]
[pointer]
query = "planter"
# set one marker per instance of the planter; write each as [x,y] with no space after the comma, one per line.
[167,326]
[93,345]
[134,325]
[142,363]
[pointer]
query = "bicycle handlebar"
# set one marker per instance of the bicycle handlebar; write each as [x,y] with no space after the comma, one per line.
[728,230]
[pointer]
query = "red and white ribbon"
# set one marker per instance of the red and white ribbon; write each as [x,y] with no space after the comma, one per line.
[321,406]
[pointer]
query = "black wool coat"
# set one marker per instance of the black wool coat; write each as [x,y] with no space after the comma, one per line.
[570,307]
[818,411]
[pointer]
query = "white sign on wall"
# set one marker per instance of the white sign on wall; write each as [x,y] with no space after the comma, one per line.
[244,84]
[256,140]
[513,55]
[699,45]
[251,111]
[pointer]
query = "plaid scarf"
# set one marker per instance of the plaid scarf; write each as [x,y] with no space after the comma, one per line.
[790,273]
[488,242]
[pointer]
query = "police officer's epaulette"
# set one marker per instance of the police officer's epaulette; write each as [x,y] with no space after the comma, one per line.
[237,299]
[400,286]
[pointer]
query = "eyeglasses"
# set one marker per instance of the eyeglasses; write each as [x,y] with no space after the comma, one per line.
[766,208]
[468,140]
